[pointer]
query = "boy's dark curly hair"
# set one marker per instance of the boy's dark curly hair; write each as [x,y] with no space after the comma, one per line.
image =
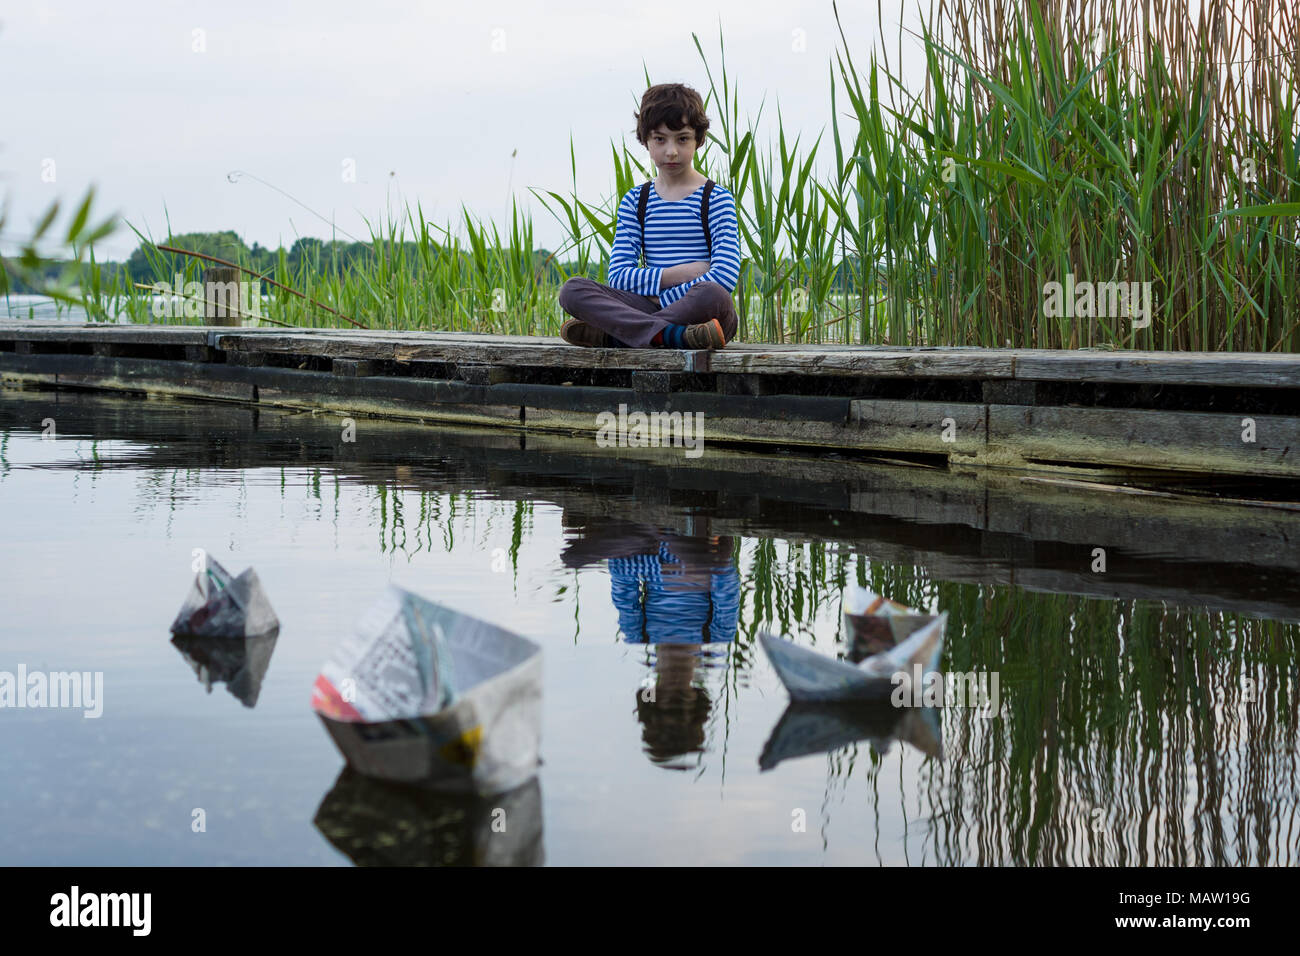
[664,105]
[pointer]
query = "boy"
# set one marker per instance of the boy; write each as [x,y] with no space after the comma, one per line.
[681,299]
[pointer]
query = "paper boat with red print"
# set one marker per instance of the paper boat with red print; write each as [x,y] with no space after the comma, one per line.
[426,695]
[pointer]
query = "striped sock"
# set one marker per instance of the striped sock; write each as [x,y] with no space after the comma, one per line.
[673,337]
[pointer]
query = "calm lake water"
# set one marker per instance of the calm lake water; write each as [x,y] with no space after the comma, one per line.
[39,308]
[1148,715]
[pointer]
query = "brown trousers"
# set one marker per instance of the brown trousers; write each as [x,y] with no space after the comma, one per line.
[635,319]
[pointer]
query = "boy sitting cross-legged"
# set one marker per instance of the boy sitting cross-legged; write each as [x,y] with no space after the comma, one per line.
[681,298]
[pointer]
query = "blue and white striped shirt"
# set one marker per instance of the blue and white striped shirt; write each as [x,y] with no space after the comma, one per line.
[673,235]
[673,610]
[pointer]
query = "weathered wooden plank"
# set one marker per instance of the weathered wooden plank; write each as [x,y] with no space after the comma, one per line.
[134,334]
[997,433]
[867,361]
[550,352]
[153,376]
[936,428]
[425,400]
[315,385]
[1227,369]
[410,409]
[546,353]
[1187,441]
[1137,367]
[542,356]
[715,428]
[26,368]
[196,386]
[817,434]
[780,411]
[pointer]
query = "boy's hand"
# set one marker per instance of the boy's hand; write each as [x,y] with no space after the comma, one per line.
[683,272]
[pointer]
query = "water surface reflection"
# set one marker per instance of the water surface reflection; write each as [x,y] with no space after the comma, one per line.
[680,595]
[1151,711]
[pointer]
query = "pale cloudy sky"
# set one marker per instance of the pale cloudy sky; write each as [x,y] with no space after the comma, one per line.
[127,96]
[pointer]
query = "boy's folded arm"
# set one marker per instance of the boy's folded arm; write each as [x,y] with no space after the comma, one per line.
[724,267]
[670,277]
[627,276]
[623,272]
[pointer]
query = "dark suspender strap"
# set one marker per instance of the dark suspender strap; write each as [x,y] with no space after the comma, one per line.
[644,198]
[641,202]
[704,215]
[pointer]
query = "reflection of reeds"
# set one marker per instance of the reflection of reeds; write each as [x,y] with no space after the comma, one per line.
[1108,141]
[1128,740]
[438,515]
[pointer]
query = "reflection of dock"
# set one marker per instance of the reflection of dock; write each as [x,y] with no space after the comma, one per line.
[978,526]
[1203,412]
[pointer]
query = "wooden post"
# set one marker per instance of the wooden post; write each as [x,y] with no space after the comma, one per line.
[223,303]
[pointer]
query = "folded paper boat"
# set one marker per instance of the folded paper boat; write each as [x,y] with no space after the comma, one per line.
[891,646]
[422,694]
[219,605]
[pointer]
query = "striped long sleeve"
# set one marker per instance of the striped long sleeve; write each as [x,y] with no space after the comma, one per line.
[673,235]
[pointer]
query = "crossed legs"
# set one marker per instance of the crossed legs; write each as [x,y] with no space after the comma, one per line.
[635,319]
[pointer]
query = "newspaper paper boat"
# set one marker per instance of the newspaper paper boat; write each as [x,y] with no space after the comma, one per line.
[890,645]
[820,728]
[219,605]
[422,694]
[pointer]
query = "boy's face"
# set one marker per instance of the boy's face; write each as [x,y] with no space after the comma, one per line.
[672,150]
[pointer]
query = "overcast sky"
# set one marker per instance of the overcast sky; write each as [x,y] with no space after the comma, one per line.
[128,96]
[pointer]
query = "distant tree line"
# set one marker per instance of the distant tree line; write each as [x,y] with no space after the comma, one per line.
[318,256]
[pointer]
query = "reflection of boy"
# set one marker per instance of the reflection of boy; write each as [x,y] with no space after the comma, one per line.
[673,710]
[660,598]
[677,592]
[677,602]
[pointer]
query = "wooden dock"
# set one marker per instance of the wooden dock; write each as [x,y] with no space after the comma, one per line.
[1204,413]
